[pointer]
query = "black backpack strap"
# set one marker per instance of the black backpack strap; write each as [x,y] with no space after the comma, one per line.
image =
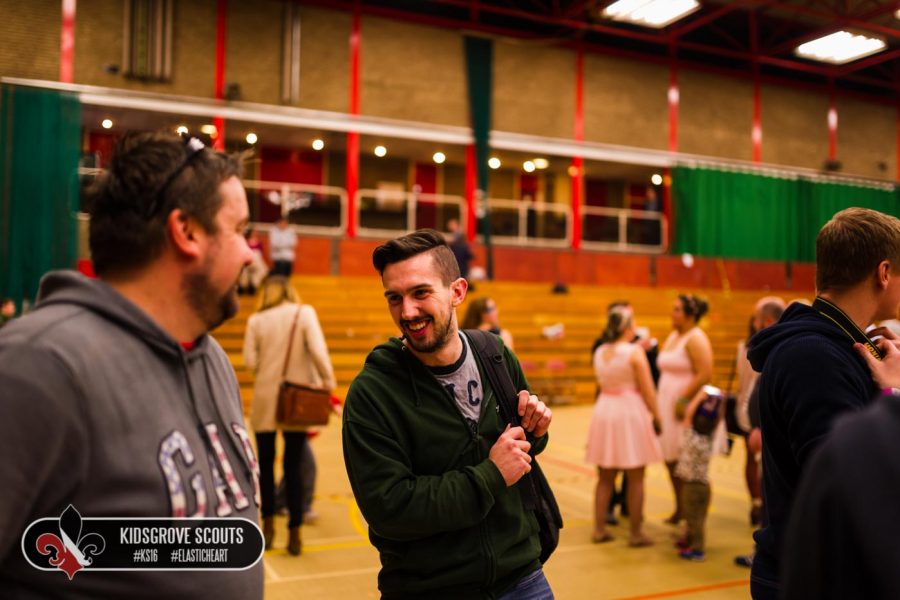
[489,347]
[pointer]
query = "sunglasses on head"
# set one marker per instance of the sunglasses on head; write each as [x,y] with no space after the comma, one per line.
[192,148]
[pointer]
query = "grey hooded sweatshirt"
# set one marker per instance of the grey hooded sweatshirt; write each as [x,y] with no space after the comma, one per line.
[102,409]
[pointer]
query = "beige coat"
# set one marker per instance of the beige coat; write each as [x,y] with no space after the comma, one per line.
[265,348]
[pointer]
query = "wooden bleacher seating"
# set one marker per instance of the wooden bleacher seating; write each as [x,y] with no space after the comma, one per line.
[354,317]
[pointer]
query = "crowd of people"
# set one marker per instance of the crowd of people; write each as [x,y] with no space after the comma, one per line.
[116,399]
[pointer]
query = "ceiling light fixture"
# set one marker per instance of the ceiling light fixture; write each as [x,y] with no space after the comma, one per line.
[251,138]
[439,157]
[380,151]
[650,13]
[656,179]
[107,123]
[318,144]
[209,129]
[840,47]
[541,163]
[494,162]
[181,130]
[528,166]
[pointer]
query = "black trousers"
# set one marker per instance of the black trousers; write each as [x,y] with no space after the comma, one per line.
[294,442]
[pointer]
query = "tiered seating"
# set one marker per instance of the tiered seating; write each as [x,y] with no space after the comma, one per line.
[354,317]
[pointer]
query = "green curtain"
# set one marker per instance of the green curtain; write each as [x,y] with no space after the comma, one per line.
[748,216]
[819,202]
[40,140]
[479,75]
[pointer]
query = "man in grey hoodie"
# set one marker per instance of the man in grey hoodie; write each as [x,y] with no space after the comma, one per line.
[113,398]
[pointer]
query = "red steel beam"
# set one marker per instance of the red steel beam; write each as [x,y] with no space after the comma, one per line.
[822,71]
[67,42]
[352,177]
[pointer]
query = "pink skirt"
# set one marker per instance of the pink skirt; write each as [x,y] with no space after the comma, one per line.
[621,432]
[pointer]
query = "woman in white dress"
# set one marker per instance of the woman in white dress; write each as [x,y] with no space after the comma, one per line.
[685,365]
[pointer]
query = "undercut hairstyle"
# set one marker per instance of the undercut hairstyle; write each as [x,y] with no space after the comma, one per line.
[413,244]
[150,175]
[850,246]
[693,306]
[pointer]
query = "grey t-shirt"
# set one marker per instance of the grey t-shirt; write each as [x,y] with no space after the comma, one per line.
[463,382]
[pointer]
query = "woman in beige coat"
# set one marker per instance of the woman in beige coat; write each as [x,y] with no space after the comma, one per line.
[265,348]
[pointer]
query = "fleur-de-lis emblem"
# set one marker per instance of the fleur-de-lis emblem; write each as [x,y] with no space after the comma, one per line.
[70,551]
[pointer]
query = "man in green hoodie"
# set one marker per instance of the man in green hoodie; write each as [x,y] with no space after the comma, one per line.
[431,463]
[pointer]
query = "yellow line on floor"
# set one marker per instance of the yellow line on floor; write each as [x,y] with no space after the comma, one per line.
[333,574]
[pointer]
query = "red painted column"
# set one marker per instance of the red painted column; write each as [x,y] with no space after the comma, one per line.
[577,169]
[756,134]
[832,126]
[471,176]
[221,31]
[898,143]
[674,98]
[67,42]
[353,136]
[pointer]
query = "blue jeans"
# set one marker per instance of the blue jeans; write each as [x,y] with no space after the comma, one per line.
[531,587]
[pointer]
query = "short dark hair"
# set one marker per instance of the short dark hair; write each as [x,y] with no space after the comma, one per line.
[850,246]
[693,306]
[150,175]
[413,244]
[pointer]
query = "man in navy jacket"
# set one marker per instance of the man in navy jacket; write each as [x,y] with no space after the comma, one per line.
[810,370]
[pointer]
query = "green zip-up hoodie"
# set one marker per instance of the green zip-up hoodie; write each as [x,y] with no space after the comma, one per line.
[443,520]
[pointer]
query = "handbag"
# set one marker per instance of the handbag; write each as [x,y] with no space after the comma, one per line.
[533,487]
[300,405]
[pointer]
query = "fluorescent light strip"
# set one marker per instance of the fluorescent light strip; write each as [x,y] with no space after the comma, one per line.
[650,13]
[840,47]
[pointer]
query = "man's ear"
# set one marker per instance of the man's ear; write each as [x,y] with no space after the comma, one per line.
[458,289]
[184,232]
[885,272]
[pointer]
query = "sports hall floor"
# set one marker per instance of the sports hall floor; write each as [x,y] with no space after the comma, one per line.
[339,563]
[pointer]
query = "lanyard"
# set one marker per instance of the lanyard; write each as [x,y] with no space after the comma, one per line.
[839,318]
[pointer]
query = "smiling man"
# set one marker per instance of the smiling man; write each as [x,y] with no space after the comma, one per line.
[432,465]
[113,398]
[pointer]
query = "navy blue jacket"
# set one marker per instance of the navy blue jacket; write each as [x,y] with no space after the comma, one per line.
[810,375]
[842,538]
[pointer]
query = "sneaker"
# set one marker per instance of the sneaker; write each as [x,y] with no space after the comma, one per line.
[694,555]
[744,560]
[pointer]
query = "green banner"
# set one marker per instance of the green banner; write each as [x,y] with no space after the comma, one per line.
[749,216]
[479,76]
[40,145]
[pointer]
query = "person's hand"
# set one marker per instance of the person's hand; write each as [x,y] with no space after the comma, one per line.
[885,372]
[510,455]
[534,415]
[885,333]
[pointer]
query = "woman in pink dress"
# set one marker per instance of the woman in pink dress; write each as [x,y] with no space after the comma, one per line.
[621,434]
[685,365]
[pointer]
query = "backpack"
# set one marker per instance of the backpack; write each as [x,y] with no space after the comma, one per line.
[533,487]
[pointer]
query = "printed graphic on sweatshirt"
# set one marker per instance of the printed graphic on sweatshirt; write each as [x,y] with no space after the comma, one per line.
[73,544]
[185,476]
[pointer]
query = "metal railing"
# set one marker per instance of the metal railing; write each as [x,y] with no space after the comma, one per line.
[311,209]
[389,213]
[623,230]
[323,210]
[522,223]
